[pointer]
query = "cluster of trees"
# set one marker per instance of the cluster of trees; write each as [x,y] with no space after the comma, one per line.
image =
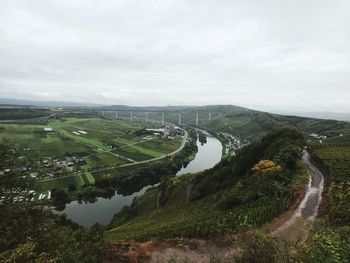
[59,198]
[90,193]
[22,113]
[31,233]
[202,138]
[143,132]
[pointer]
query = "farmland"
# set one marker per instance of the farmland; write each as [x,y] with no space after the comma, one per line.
[69,145]
[33,141]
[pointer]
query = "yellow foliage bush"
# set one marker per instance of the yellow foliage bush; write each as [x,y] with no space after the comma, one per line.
[265,167]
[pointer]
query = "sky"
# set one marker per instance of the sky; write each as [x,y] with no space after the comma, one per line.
[291,55]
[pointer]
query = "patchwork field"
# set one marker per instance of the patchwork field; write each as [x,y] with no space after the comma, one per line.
[84,144]
[34,141]
[115,136]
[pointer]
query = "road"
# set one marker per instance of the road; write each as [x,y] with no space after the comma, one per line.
[183,143]
[297,226]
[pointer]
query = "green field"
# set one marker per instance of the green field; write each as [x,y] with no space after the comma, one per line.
[148,150]
[63,182]
[103,143]
[32,140]
[101,159]
[100,132]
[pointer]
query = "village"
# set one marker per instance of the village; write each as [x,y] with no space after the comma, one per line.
[232,143]
[170,131]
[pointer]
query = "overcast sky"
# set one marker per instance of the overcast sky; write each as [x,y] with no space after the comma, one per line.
[263,54]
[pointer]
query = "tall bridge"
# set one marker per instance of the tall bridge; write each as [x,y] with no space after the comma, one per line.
[155,115]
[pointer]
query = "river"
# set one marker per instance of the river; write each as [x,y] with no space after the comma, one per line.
[103,210]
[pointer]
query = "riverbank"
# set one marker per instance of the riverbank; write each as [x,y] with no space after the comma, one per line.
[101,210]
[225,199]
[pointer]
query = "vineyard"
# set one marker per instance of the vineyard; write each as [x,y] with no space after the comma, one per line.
[199,219]
[336,159]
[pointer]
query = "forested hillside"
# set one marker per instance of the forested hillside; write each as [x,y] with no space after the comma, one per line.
[247,191]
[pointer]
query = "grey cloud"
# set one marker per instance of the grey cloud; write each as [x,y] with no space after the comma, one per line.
[262,54]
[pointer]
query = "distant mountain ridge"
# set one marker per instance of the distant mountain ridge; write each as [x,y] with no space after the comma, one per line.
[19,102]
[320,115]
[221,108]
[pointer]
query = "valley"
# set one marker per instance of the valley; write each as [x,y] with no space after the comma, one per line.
[199,183]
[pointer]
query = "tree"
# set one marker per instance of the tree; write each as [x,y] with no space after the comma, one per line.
[287,156]
[59,196]
[71,187]
[14,184]
[265,167]
[31,233]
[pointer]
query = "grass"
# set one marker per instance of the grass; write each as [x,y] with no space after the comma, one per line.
[100,132]
[37,142]
[66,128]
[301,176]
[90,178]
[101,159]
[62,182]
[124,171]
[149,149]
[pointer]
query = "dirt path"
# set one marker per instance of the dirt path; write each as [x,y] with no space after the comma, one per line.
[296,228]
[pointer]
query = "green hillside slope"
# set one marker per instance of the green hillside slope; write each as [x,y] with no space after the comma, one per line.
[225,199]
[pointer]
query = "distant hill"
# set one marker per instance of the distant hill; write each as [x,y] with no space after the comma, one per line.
[237,121]
[242,122]
[321,115]
[18,102]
